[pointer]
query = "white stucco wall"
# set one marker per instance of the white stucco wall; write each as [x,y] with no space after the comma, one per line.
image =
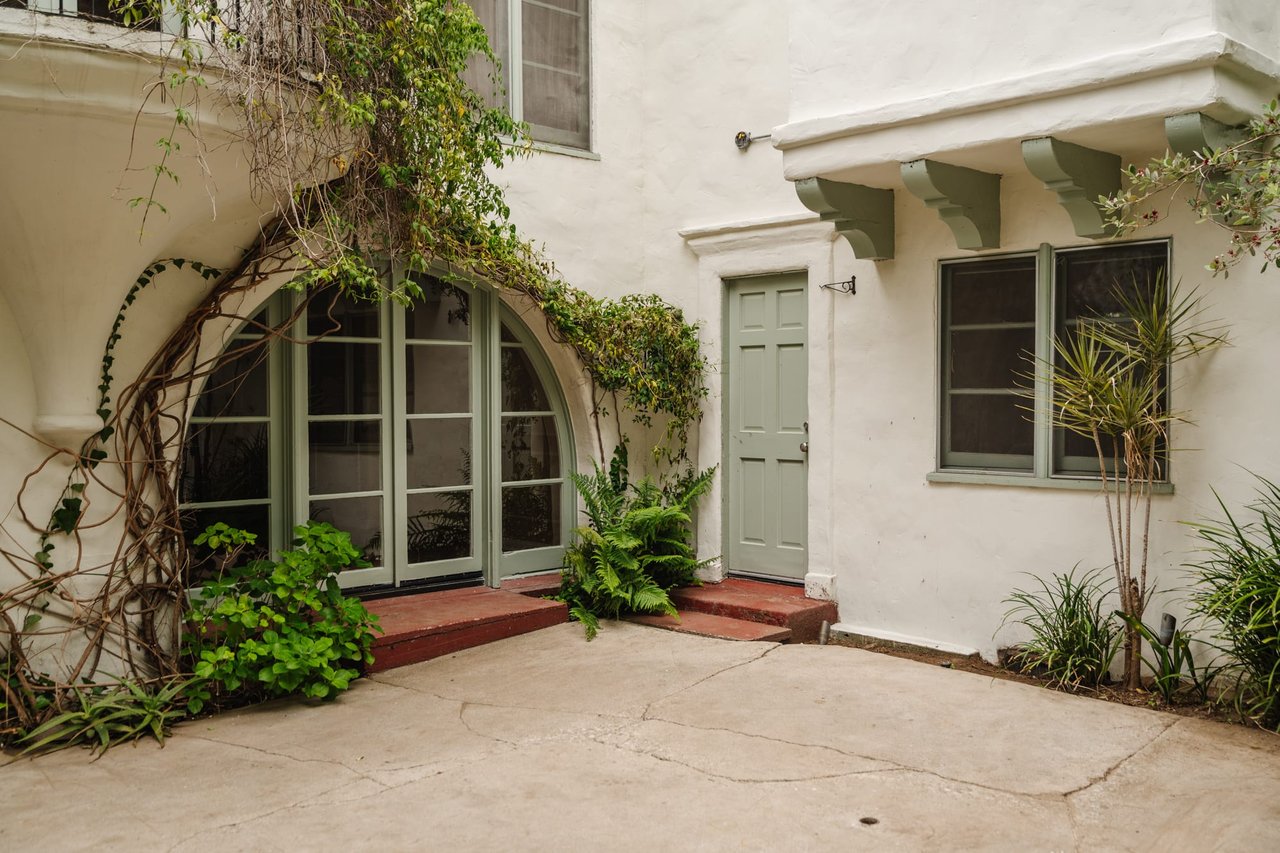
[669,206]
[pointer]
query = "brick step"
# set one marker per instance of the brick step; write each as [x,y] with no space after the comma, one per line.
[537,586]
[707,625]
[421,627]
[758,601]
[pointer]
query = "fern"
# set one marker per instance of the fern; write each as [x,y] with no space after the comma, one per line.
[637,544]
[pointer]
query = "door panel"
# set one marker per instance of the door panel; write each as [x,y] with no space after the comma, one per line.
[766,415]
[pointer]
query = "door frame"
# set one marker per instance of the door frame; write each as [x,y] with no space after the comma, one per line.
[739,249]
[726,459]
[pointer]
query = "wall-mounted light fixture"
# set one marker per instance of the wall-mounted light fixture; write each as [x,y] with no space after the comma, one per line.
[743,139]
[850,286]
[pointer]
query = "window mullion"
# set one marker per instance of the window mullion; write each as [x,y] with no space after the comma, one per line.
[515,58]
[396,498]
[1043,462]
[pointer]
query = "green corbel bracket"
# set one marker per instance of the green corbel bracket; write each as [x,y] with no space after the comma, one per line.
[1191,133]
[1080,176]
[864,215]
[967,200]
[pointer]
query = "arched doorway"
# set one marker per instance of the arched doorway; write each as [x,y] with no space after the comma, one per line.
[435,435]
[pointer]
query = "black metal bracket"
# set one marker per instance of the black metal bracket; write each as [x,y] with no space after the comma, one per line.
[850,286]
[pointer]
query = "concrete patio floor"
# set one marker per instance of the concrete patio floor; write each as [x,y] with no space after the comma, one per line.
[651,740]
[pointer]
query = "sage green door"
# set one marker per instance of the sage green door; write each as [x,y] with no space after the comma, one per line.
[766,415]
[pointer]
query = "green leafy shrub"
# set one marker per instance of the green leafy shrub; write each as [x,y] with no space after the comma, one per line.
[269,629]
[1074,638]
[1173,666]
[1237,587]
[636,547]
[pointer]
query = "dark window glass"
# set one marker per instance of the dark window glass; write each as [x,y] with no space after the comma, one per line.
[343,379]
[443,314]
[530,517]
[439,526]
[1001,291]
[437,379]
[522,390]
[530,448]
[225,462]
[237,387]
[332,314]
[344,456]
[991,358]
[991,424]
[438,452]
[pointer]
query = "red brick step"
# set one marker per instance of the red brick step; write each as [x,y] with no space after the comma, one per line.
[421,627]
[761,602]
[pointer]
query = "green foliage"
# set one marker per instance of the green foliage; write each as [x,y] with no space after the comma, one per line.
[638,346]
[1074,638]
[1237,187]
[1237,588]
[636,547]
[1173,663]
[111,715]
[1109,381]
[269,629]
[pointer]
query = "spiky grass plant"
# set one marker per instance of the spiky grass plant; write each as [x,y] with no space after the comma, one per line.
[1110,380]
[1237,587]
[1074,634]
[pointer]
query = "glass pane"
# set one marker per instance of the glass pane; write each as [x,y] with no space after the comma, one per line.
[443,315]
[493,16]
[343,379]
[438,452]
[507,336]
[1088,281]
[439,526]
[344,456]
[522,391]
[530,517]
[555,99]
[360,517]
[530,448]
[225,462]
[437,379]
[551,37]
[1001,291]
[348,318]
[237,387]
[991,358]
[254,519]
[990,424]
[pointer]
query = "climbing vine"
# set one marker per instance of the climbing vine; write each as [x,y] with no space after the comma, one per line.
[367,142]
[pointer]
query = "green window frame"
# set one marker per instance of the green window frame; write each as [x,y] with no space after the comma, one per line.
[999,315]
[504,471]
[544,50]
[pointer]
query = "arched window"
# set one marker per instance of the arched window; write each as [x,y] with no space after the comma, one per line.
[434,435]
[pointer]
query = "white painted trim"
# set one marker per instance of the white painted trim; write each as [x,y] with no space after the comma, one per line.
[703,232]
[1157,60]
[905,639]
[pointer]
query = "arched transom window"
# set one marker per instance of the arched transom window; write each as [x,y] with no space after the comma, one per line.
[435,435]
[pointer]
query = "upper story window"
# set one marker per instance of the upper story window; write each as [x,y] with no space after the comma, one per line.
[1000,317]
[543,48]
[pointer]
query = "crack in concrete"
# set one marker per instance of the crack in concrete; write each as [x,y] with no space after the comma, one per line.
[1106,774]
[763,654]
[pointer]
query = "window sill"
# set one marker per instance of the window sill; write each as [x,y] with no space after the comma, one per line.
[1029,481]
[556,148]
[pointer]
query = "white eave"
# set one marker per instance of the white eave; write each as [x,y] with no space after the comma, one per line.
[1115,101]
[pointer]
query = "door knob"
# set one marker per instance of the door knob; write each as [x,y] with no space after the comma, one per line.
[804,447]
